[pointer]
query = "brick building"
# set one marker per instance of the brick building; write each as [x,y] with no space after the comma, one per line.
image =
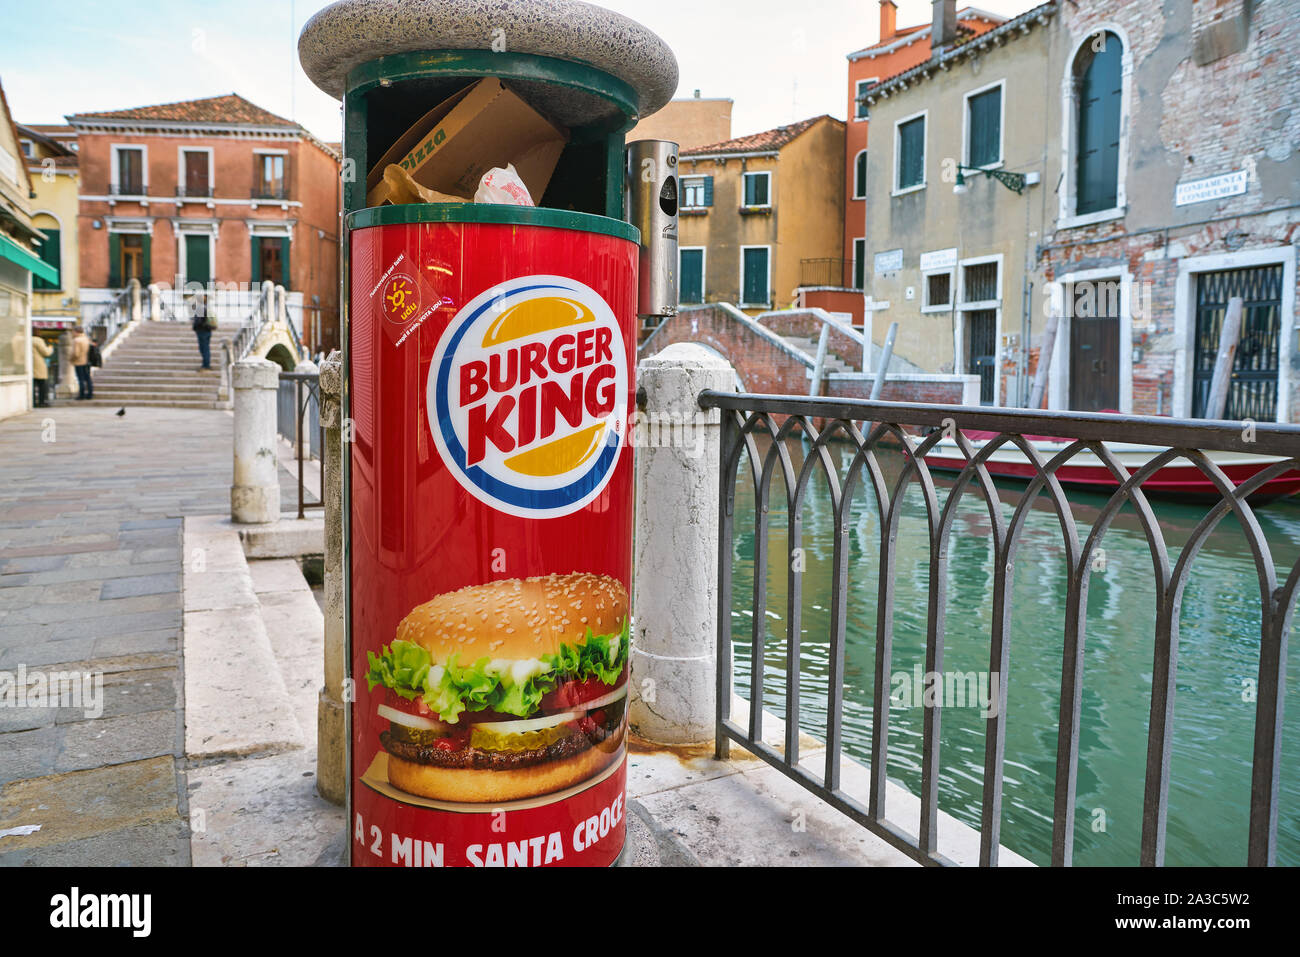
[1167,173]
[215,190]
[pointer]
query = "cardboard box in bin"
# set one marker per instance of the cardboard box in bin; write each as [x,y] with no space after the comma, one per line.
[454,144]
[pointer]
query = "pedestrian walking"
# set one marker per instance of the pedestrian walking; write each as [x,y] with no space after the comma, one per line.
[81,347]
[204,322]
[41,351]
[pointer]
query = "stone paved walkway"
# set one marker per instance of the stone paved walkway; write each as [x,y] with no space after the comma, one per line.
[91,506]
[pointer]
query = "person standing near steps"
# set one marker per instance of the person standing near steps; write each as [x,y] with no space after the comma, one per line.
[41,370]
[81,362]
[203,325]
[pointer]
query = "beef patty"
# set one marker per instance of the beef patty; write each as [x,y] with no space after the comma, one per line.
[478,759]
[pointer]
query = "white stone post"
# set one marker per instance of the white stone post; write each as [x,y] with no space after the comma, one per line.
[331,734]
[155,303]
[255,494]
[674,648]
[137,311]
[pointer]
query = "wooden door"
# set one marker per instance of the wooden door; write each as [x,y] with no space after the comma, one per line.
[1094,347]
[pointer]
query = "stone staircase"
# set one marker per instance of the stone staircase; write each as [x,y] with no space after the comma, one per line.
[158,365]
[808,346]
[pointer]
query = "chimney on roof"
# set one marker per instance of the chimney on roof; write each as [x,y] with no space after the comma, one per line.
[943,28]
[888,19]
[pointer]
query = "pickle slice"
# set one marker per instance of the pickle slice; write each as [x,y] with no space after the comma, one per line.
[524,741]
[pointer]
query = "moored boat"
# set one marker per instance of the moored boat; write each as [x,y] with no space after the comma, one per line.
[1178,479]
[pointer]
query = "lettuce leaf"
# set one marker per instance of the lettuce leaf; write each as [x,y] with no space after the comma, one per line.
[452,688]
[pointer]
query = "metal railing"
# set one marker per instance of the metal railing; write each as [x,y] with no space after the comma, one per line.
[193,192]
[112,318]
[270,192]
[298,399]
[822,423]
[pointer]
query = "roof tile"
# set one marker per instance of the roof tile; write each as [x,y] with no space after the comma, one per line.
[231,109]
[763,142]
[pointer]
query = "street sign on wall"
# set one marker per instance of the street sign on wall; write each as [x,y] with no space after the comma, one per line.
[1212,187]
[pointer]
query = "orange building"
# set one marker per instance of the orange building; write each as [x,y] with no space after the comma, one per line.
[897,50]
[216,190]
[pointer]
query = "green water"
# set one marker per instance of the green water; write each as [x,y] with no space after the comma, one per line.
[1218,662]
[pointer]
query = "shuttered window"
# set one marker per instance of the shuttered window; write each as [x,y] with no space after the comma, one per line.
[197,259]
[758,191]
[984,127]
[754,280]
[51,254]
[910,162]
[697,192]
[860,176]
[1100,98]
[692,276]
[859,263]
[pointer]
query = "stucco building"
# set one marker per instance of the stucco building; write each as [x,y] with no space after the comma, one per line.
[1160,180]
[689,122]
[753,207]
[215,190]
[895,50]
[50,154]
[20,262]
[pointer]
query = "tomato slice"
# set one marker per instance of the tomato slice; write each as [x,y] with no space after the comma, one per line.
[574,694]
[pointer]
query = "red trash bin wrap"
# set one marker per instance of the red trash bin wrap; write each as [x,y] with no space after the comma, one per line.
[491,379]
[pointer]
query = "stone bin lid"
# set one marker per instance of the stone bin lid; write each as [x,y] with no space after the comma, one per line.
[350,33]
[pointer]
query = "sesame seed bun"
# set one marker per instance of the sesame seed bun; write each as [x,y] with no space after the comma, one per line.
[517,618]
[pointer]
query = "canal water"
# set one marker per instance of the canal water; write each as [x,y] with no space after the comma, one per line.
[1217,665]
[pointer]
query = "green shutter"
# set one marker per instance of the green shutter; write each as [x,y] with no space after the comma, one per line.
[859,263]
[197,259]
[708,191]
[285,275]
[52,255]
[692,276]
[911,153]
[144,259]
[985,128]
[255,274]
[1100,96]
[754,292]
[114,261]
[756,189]
[860,175]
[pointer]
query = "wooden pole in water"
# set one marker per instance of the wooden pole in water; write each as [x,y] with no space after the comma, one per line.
[1044,360]
[886,354]
[1229,335]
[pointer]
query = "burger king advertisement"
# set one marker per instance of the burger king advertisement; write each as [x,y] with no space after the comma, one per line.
[490,382]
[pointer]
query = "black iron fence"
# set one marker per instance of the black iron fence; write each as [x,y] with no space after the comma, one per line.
[298,420]
[765,427]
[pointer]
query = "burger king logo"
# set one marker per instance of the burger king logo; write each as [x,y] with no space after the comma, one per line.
[527,393]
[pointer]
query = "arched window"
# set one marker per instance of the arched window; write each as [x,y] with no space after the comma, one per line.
[860,176]
[1098,76]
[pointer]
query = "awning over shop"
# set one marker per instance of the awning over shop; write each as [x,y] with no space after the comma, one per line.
[27,259]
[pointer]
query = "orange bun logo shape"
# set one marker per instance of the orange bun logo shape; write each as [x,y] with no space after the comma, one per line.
[527,394]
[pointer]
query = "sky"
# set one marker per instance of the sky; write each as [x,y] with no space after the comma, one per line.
[779,60]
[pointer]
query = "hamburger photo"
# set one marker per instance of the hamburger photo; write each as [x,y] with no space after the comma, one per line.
[506,690]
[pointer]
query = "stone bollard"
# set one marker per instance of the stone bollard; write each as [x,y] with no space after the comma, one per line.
[331,711]
[674,648]
[255,494]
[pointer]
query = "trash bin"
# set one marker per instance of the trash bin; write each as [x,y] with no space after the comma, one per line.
[490,356]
